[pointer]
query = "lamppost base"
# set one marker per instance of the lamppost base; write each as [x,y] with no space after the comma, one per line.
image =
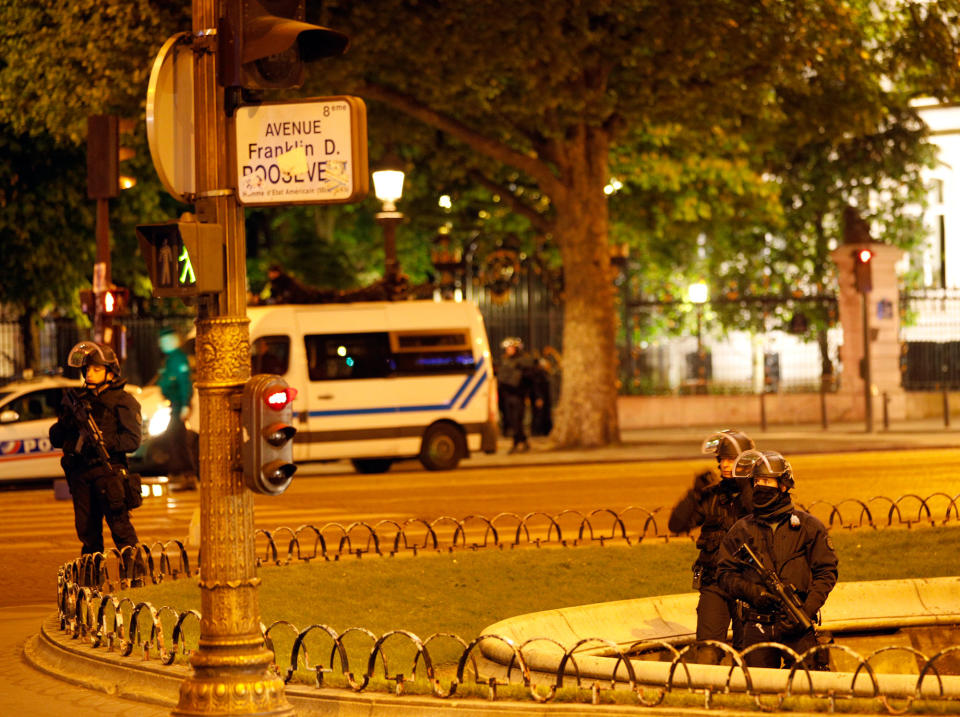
[242,697]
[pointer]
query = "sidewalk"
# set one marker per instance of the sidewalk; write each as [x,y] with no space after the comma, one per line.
[684,443]
[29,692]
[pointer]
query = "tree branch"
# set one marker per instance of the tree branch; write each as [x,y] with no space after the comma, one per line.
[540,222]
[537,169]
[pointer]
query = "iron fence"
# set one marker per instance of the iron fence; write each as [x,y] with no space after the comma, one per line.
[54,338]
[783,344]
[930,340]
[443,663]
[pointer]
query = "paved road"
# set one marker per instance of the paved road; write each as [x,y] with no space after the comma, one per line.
[36,531]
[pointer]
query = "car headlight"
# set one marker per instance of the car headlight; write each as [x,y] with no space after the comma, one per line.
[159,421]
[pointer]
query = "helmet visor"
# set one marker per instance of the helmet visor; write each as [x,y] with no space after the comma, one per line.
[746,462]
[80,352]
[712,444]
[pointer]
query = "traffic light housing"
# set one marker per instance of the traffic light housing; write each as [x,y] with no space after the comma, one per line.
[104,155]
[863,270]
[114,301]
[262,44]
[184,258]
[266,417]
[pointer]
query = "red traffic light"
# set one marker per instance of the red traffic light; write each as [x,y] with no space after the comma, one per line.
[278,400]
[864,256]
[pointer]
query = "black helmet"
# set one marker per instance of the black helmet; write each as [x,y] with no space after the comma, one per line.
[88,353]
[764,464]
[727,443]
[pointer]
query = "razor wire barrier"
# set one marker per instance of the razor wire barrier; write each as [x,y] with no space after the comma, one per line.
[144,563]
[126,626]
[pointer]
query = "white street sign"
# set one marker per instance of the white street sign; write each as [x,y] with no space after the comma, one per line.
[312,152]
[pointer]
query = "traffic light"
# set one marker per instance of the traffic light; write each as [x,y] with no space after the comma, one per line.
[266,415]
[184,258]
[862,270]
[104,155]
[114,301]
[262,44]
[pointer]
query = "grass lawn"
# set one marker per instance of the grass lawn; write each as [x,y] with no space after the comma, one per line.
[464,591]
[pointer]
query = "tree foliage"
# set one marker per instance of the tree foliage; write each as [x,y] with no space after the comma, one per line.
[737,129]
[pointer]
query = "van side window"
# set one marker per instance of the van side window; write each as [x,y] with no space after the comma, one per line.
[440,351]
[270,354]
[348,356]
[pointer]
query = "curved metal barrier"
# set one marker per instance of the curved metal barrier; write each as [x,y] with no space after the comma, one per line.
[90,612]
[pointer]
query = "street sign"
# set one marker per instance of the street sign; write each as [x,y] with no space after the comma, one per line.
[183,258]
[170,116]
[312,152]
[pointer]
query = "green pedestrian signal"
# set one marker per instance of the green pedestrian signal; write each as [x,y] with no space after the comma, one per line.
[184,258]
[187,276]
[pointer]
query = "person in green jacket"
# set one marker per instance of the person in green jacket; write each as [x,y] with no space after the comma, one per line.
[177,387]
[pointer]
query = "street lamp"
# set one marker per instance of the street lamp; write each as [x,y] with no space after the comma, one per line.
[388,186]
[698,294]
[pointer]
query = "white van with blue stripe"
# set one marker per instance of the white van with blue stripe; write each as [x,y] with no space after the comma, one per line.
[382,381]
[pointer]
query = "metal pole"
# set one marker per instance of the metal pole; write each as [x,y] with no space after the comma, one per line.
[103,322]
[391,267]
[867,379]
[231,668]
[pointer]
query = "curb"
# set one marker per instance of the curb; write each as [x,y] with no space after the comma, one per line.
[58,655]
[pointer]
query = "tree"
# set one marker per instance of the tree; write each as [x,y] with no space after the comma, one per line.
[561,93]
[45,225]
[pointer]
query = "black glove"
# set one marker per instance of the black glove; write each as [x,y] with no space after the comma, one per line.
[787,626]
[703,481]
[760,598]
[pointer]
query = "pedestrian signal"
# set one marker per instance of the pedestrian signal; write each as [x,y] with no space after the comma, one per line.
[266,415]
[184,258]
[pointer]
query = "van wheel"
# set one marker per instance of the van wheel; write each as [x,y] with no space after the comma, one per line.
[443,447]
[371,465]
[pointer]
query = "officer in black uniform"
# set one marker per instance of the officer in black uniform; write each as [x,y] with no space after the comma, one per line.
[794,544]
[117,414]
[513,380]
[714,505]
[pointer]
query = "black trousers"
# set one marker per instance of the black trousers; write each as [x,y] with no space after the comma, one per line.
[513,410]
[754,633]
[715,612]
[90,508]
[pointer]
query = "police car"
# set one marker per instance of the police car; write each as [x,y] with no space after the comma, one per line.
[27,410]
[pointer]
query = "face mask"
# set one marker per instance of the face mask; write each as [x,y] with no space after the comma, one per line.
[764,495]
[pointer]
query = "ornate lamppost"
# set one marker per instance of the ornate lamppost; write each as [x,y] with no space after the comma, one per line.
[388,186]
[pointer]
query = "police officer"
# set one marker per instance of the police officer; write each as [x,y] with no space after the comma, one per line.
[714,505]
[117,414]
[176,386]
[792,543]
[513,380]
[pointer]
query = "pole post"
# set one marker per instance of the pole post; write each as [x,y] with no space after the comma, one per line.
[867,376]
[103,322]
[388,221]
[231,668]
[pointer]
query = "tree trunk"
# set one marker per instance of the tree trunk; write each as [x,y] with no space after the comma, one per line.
[587,412]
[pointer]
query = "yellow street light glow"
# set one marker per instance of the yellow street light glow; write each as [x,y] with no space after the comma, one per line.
[698,293]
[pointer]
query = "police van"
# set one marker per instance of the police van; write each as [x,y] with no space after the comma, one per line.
[381,381]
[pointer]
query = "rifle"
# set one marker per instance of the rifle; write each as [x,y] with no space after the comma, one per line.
[784,592]
[88,427]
